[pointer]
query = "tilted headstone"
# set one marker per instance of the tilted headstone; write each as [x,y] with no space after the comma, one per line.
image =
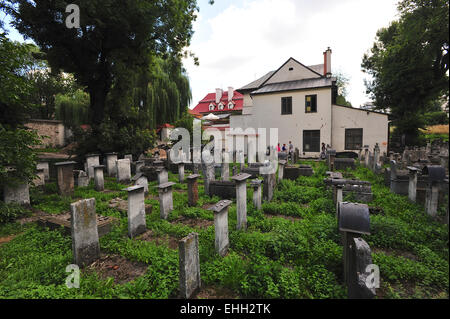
[241,199]
[99,180]
[221,242]
[136,211]
[192,189]
[85,244]
[141,179]
[91,161]
[165,199]
[189,273]
[256,184]
[123,171]
[111,167]
[66,182]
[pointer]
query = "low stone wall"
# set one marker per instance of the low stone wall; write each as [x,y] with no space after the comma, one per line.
[223,189]
[293,172]
[53,130]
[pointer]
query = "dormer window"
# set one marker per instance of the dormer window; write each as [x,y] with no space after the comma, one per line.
[230,105]
[211,106]
[221,106]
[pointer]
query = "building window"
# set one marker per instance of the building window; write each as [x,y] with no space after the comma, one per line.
[353,138]
[221,106]
[211,107]
[311,141]
[286,105]
[230,105]
[311,104]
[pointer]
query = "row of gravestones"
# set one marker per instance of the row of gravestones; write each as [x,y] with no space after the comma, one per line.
[422,182]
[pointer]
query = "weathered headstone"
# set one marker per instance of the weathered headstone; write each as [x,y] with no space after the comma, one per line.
[256,184]
[85,244]
[190,280]
[136,211]
[221,242]
[46,168]
[129,156]
[141,179]
[139,165]
[39,180]
[281,164]
[111,167]
[181,172]
[359,285]
[241,199]
[83,179]
[165,199]
[412,187]
[163,175]
[208,175]
[91,161]
[123,171]
[225,171]
[66,182]
[18,194]
[269,186]
[192,189]
[99,180]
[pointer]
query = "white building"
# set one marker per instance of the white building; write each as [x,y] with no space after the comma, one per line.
[300,101]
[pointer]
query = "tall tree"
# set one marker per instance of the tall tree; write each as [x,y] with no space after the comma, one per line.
[115,38]
[409,63]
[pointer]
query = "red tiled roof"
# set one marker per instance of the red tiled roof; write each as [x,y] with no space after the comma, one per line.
[166,125]
[203,105]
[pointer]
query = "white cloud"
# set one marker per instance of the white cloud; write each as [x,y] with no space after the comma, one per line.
[244,42]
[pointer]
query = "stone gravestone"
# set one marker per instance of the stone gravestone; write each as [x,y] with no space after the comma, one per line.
[208,175]
[19,194]
[123,171]
[192,189]
[83,179]
[129,156]
[190,280]
[141,179]
[269,186]
[139,165]
[165,199]
[181,172]
[163,175]
[99,180]
[136,211]
[85,244]
[241,199]
[225,171]
[256,184]
[360,258]
[281,164]
[46,168]
[39,180]
[111,159]
[91,161]
[221,226]
[66,182]
[412,186]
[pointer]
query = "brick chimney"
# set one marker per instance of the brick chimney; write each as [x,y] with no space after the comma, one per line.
[218,95]
[230,93]
[327,63]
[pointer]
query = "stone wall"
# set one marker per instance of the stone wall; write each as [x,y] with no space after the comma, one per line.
[54,130]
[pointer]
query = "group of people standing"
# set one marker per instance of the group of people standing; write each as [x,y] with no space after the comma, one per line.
[286,149]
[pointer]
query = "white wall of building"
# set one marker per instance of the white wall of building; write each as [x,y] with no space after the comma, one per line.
[374,125]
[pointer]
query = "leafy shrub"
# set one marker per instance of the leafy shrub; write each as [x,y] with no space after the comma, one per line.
[10,212]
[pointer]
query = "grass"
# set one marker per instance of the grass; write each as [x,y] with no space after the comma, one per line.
[275,258]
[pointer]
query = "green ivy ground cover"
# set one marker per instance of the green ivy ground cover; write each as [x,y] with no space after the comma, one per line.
[291,248]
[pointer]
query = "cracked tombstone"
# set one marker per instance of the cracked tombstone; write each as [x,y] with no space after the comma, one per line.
[256,184]
[85,244]
[192,189]
[65,179]
[123,171]
[136,210]
[221,242]
[111,168]
[91,161]
[165,199]
[241,199]
[189,262]
[360,259]
[412,186]
[99,180]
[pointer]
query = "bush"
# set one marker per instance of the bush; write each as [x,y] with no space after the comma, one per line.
[10,212]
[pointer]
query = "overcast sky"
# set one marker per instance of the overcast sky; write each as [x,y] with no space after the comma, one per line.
[238,41]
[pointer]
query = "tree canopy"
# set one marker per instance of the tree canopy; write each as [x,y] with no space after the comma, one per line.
[409,63]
